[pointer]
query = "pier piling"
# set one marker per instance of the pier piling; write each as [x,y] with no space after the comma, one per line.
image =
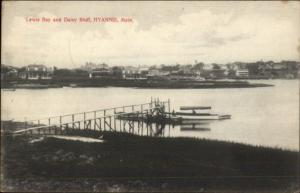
[132,119]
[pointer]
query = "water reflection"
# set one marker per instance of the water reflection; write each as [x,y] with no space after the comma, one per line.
[195,127]
[260,116]
[164,129]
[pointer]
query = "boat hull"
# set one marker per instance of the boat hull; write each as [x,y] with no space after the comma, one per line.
[200,117]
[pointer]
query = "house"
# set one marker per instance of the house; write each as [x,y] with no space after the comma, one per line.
[214,71]
[36,72]
[132,72]
[242,72]
[8,72]
[157,72]
[89,66]
[265,68]
[144,71]
[280,70]
[225,70]
[207,67]
[103,72]
[240,65]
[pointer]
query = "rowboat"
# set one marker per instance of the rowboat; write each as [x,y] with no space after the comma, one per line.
[195,115]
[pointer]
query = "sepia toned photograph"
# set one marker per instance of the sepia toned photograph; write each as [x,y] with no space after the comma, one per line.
[150,96]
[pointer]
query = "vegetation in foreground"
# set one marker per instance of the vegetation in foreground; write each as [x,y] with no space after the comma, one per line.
[126,162]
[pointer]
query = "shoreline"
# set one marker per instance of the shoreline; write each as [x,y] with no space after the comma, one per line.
[127,162]
[149,84]
[8,126]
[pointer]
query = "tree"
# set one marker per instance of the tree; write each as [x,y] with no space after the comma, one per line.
[198,66]
[216,67]
[253,68]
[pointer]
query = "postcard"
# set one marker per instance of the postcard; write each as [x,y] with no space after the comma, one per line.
[150,96]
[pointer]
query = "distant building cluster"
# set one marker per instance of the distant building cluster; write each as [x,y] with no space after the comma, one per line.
[197,71]
[268,70]
[30,72]
[35,72]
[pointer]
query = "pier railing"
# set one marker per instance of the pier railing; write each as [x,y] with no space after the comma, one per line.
[101,119]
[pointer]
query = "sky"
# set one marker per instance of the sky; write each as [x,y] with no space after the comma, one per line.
[180,32]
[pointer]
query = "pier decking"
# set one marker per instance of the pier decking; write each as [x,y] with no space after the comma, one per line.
[102,120]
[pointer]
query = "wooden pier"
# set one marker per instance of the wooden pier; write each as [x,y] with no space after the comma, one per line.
[104,120]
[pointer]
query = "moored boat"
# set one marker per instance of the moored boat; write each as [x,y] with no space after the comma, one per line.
[194,115]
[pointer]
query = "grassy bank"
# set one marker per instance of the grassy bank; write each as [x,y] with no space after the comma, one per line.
[108,82]
[127,162]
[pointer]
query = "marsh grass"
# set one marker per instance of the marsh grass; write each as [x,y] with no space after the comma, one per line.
[124,158]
